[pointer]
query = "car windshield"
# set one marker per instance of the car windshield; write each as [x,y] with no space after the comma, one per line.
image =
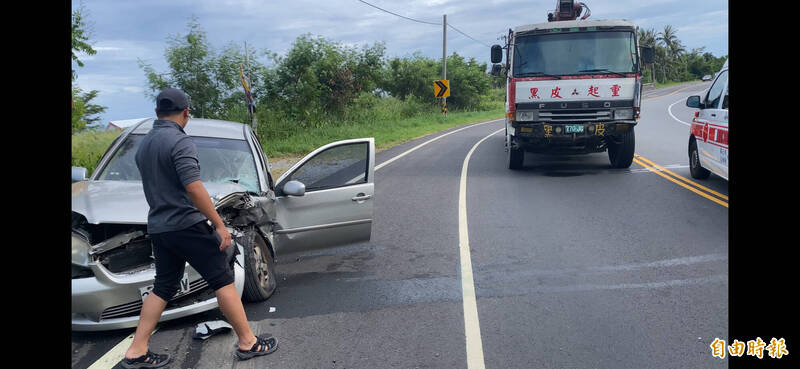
[221,161]
[575,53]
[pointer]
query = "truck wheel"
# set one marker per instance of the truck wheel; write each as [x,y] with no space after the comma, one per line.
[259,269]
[697,171]
[514,157]
[621,155]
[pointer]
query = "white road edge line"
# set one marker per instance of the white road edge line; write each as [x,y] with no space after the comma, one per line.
[669,110]
[116,354]
[472,328]
[360,176]
[429,141]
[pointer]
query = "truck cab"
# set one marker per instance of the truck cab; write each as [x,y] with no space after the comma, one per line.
[573,87]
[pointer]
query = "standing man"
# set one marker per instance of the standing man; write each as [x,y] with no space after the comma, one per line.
[176,223]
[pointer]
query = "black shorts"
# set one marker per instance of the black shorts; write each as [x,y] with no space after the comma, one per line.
[198,245]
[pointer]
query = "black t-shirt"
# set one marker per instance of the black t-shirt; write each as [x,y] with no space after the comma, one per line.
[167,161]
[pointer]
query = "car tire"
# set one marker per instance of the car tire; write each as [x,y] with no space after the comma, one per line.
[621,154]
[259,269]
[695,169]
[514,157]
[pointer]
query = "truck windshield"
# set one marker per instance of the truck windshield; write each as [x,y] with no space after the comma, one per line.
[575,53]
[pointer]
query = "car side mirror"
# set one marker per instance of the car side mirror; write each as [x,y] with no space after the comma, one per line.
[497,53]
[648,54]
[694,102]
[79,174]
[294,188]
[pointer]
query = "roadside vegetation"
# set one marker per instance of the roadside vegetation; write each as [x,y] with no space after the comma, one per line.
[673,63]
[89,145]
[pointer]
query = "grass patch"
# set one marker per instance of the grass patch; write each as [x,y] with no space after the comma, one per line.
[386,133]
[89,146]
[389,120]
[672,83]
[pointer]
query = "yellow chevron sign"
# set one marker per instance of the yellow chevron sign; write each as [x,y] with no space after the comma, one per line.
[441,88]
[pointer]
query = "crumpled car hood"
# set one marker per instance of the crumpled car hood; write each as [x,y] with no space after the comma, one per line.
[124,202]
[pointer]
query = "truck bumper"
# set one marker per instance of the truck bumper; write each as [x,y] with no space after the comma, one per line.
[553,138]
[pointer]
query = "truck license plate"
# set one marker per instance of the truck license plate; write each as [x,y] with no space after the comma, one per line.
[573,128]
[184,288]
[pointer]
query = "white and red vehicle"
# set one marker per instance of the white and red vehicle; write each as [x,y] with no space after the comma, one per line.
[573,86]
[708,137]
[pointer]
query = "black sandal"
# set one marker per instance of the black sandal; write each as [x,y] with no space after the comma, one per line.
[148,360]
[268,344]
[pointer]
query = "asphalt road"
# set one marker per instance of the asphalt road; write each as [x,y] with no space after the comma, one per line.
[574,265]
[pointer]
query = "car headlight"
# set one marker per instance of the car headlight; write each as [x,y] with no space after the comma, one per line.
[80,251]
[527,115]
[623,114]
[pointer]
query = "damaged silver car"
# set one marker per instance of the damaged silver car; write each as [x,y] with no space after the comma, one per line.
[324,200]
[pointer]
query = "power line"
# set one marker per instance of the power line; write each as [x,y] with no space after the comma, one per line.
[470,37]
[411,19]
[419,21]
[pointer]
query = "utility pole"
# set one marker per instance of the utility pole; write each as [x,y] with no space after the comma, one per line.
[444,60]
[253,121]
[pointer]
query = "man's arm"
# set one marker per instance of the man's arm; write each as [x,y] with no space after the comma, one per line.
[202,201]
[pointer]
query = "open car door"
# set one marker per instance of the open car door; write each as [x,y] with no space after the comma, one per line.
[335,206]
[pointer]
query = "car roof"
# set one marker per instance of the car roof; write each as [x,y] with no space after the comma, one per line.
[200,127]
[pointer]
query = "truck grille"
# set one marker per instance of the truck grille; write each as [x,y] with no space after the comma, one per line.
[133,308]
[575,116]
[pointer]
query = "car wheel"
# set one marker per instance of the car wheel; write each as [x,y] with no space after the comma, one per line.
[697,171]
[621,154]
[514,157]
[259,269]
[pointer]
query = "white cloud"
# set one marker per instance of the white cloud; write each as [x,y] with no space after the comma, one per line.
[111,83]
[133,89]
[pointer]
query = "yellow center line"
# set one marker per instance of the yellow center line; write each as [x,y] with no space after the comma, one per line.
[684,185]
[682,178]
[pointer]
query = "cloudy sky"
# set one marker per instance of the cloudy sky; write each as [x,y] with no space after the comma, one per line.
[123,30]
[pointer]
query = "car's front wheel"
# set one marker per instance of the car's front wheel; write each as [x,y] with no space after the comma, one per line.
[259,269]
[697,171]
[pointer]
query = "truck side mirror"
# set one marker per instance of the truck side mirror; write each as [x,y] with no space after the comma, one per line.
[496,70]
[648,54]
[497,53]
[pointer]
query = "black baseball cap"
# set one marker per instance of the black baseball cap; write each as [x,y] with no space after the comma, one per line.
[171,99]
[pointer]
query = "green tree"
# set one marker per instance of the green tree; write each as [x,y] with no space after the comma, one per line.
[414,77]
[80,38]
[211,80]
[83,111]
[318,77]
